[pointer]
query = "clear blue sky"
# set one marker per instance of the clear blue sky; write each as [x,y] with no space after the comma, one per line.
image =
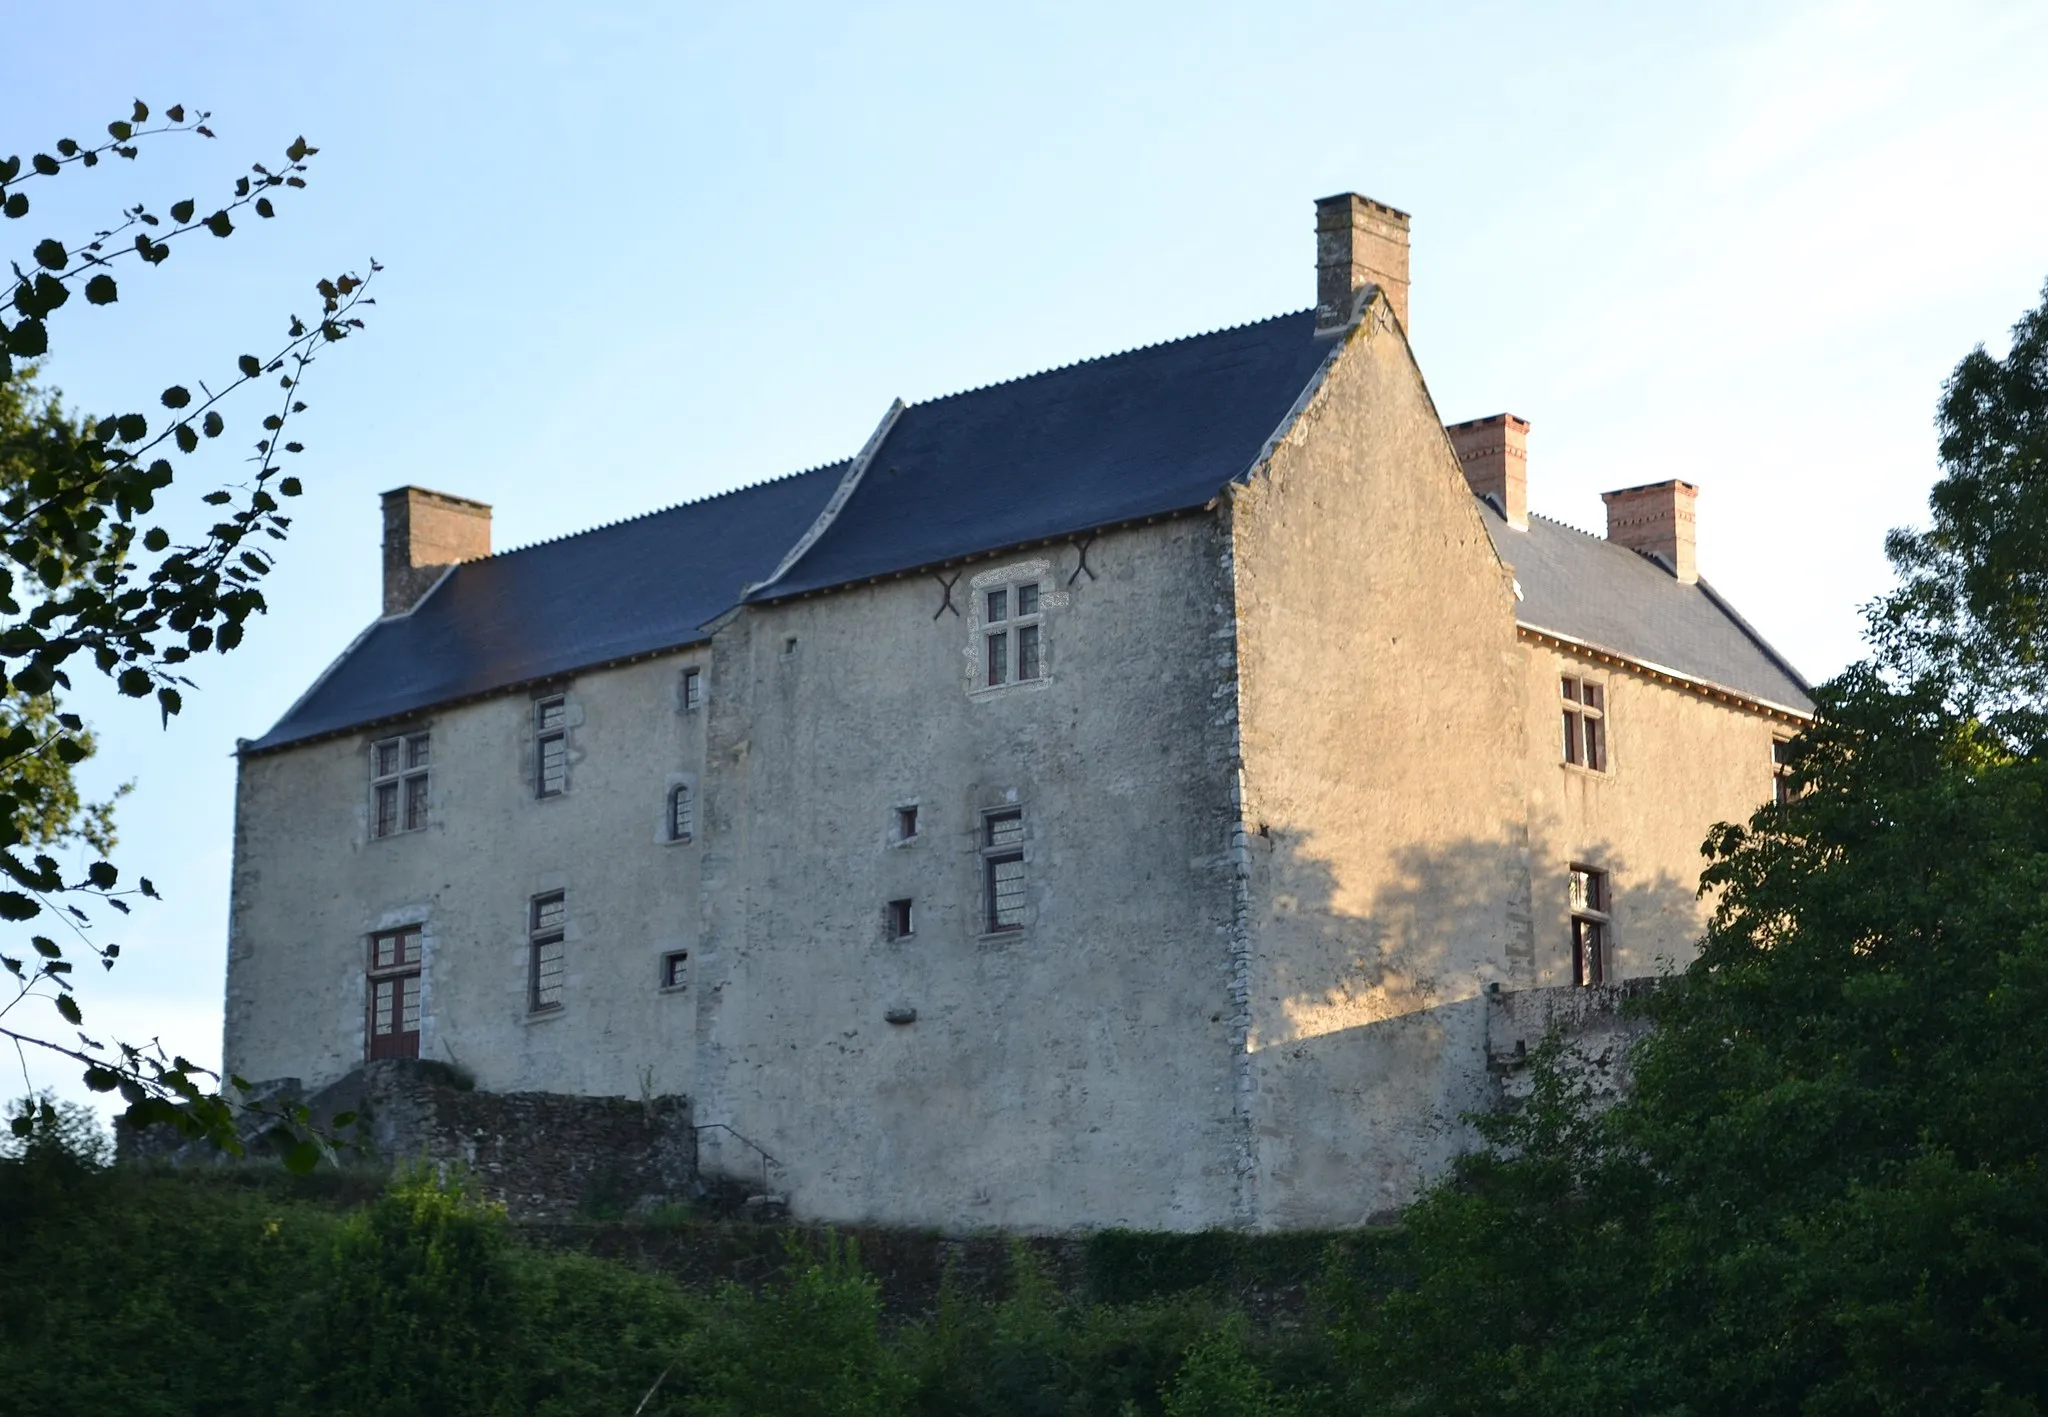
[640,253]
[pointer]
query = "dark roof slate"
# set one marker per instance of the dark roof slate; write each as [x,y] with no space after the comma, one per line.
[1143,433]
[1586,588]
[603,595]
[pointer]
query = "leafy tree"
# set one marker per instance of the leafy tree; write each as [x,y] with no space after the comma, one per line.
[1973,606]
[89,578]
[1826,1192]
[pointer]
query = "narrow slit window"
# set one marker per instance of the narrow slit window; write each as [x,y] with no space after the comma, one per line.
[999,658]
[682,813]
[546,921]
[902,921]
[906,823]
[399,771]
[1781,771]
[1591,922]
[1003,870]
[693,689]
[551,746]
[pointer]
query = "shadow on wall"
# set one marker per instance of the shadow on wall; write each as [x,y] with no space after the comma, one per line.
[1447,921]
[1371,1022]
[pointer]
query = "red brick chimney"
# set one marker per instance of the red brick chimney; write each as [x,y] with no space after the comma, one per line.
[424,534]
[1656,518]
[1495,454]
[1359,242]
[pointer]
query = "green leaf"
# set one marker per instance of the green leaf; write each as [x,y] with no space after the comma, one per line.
[290,487]
[122,132]
[250,365]
[176,113]
[219,224]
[301,1159]
[264,209]
[168,700]
[50,252]
[100,290]
[102,1079]
[133,427]
[155,539]
[68,1006]
[141,114]
[16,205]
[187,439]
[45,164]
[47,947]
[212,424]
[134,682]
[16,906]
[176,396]
[103,874]
[181,212]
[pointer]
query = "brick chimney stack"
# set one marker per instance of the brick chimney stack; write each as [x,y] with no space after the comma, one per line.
[1495,455]
[1359,242]
[1658,518]
[424,534]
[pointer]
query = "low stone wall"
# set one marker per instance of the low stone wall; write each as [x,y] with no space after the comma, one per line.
[544,1155]
[1597,1025]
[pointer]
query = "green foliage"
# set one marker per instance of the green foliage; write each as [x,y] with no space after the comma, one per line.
[1973,605]
[418,1307]
[87,579]
[1825,1193]
[1220,1380]
[811,1344]
[59,1136]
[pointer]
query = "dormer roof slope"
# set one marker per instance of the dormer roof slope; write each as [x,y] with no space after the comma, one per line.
[1602,595]
[1144,433]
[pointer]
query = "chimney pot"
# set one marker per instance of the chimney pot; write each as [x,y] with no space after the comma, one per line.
[1495,455]
[1658,518]
[425,533]
[1359,242]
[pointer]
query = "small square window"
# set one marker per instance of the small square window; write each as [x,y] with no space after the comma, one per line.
[902,923]
[675,969]
[906,823]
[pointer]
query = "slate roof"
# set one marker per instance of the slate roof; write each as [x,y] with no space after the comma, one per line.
[604,595]
[1139,434]
[1588,589]
[1149,432]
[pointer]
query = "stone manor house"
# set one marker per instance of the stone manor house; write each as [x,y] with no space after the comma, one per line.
[1118,796]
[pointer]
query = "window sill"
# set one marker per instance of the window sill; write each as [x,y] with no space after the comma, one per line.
[672,989]
[998,937]
[679,841]
[1597,774]
[543,1015]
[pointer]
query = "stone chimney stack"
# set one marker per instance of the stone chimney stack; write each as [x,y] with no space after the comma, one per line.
[424,534]
[1359,242]
[1656,518]
[1495,455]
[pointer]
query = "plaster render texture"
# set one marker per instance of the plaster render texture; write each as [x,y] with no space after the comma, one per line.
[1285,764]
[311,885]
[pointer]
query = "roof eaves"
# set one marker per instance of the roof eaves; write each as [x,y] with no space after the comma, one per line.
[1784,665]
[246,747]
[1666,672]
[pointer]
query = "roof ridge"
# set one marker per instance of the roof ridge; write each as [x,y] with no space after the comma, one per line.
[659,511]
[1113,354]
[1567,526]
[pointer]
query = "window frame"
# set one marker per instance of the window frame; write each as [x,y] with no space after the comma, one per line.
[1592,925]
[998,851]
[1009,612]
[680,817]
[407,966]
[1781,772]
[542,937]
[546,737]
[408,783]
[692,688]
[900,919]
[1585,708]
[907,823]
[674,970]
